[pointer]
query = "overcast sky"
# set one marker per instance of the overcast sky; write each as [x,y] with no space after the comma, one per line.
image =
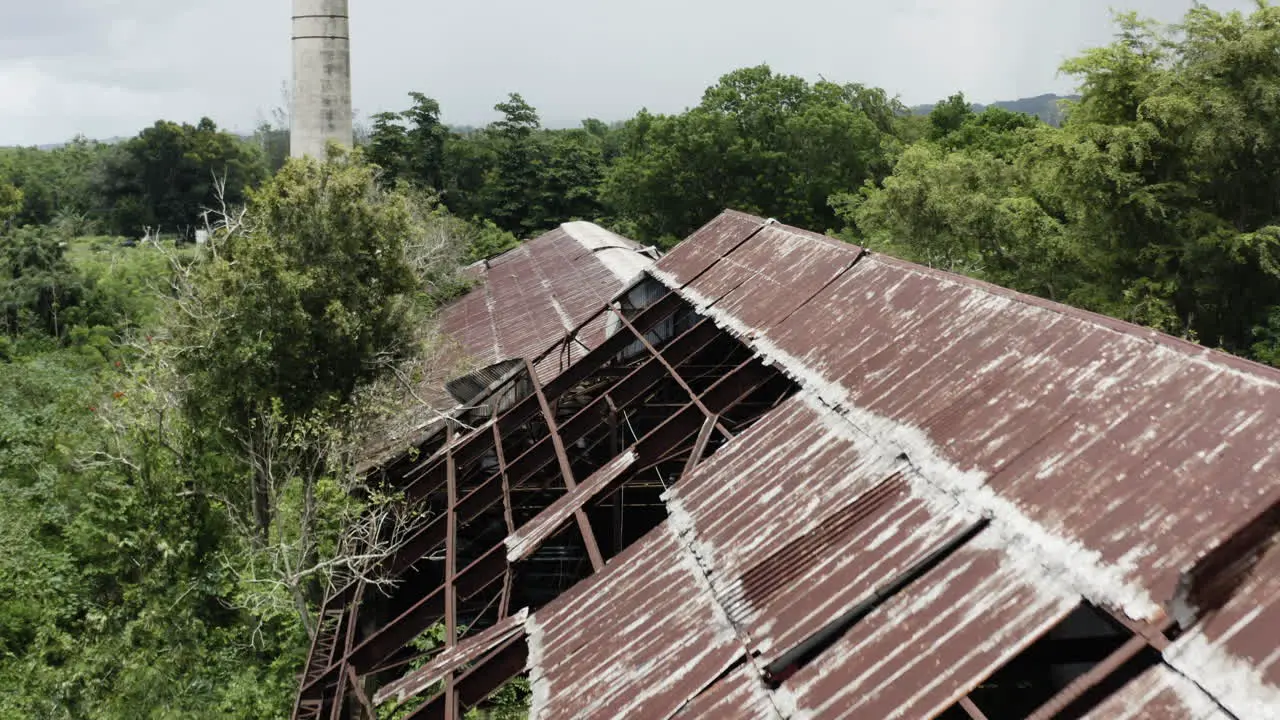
[110,67]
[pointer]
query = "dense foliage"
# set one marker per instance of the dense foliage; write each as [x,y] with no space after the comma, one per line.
[179,423]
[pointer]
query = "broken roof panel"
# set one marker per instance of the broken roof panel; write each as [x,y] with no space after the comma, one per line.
[469,649]
[1237,647]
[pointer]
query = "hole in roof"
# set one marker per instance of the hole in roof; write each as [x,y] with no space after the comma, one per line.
[1067,651]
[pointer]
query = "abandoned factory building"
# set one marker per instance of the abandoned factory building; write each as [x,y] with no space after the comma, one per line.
[774,475]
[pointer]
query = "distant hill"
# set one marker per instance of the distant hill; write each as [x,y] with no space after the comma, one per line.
[1046,107]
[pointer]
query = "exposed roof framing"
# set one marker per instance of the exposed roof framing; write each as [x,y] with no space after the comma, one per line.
[794,479]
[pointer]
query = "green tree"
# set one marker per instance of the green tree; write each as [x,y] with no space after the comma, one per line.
[37,283]
[762,142]
[170,174]
[949,116]
[292,313]
[10,202]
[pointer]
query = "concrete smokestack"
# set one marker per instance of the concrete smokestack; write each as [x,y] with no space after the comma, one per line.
[321,77]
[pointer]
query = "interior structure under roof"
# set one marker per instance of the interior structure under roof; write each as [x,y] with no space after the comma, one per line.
[775,475]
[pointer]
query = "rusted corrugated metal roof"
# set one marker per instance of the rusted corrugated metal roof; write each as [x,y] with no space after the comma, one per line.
[1112,453]
[961,468]
[798,526]
[1159,694]
[738,694]
[636,641]
[927,647]
[534,295]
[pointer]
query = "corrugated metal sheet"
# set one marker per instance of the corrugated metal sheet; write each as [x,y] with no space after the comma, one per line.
[798,526]
[637,640]
[1158,694]
[531,297]
[1108,453]
[1238,647]
[468,650]
[739,694]
[925,648]
[522,543]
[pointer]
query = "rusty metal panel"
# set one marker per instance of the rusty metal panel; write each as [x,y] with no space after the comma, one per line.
[1158,694]
[637,640]
[771,274]
[1084,428]
[1235,652]
[739,694]
[706,246]
[530,297]
[525,540]
[922,650]
[468,650]
[787,560]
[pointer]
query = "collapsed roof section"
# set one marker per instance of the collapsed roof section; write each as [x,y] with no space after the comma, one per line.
[804,481]
[523,302]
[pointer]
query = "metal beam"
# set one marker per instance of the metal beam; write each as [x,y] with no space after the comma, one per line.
[584,525]
[1089,680]
[967,705]
[700,445]
[670,370]
[450,559]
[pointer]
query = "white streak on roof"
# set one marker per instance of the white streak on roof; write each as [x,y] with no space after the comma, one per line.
[539,685]
[1050,554]
[565,320]
[620,255]
[1238,685]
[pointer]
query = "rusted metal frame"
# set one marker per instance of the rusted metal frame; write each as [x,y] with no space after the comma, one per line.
[628,389]
[967,705]
[430,609]
[342,633]
[658,443]
[309,670]
[530,462]
[475,502]
[700,445]
[566,472]
[482,680]
[361,696]
[450,558]
[615,448]
[349,639]
[470,450]
[622,394]
[1086,682]
[670,369]
[722,395]
[504,604]
[1152,632]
